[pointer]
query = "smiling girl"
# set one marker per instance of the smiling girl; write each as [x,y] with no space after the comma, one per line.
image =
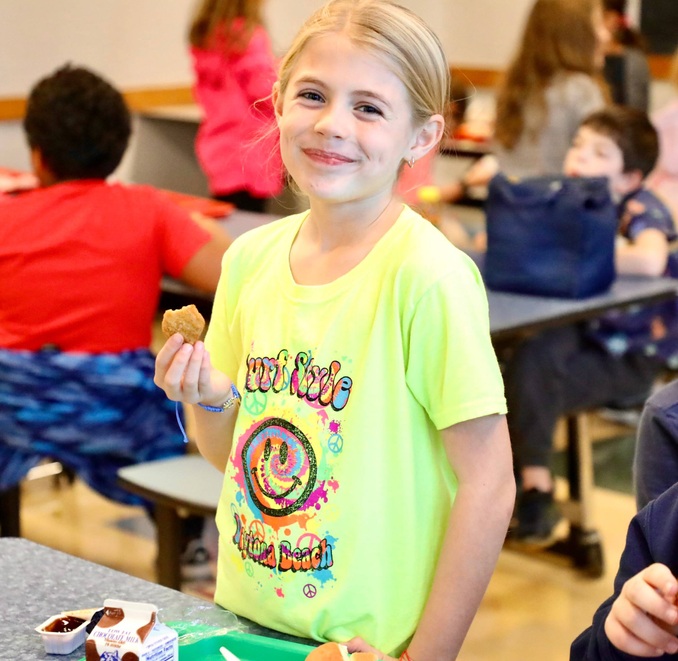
[368,477]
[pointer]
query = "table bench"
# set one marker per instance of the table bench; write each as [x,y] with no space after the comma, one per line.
[177,487]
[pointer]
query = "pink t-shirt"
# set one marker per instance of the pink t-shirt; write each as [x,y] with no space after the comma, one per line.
[81,263]
[237,143]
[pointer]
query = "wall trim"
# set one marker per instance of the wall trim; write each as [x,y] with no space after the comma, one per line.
[13,108]
[660,65]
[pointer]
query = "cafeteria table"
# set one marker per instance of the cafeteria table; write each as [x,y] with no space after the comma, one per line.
[38,582]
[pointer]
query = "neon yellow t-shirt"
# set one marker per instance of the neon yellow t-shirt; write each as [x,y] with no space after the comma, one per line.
[338,489]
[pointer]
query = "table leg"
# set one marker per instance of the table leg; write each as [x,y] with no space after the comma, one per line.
[584,543]
[10,506]
[170,542]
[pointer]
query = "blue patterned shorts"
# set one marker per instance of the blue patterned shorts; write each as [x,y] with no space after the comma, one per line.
[94,413]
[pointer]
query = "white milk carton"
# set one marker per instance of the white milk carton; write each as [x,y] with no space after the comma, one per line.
[130,631]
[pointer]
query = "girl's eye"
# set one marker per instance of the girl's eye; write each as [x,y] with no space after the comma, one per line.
[311,96]
[369,109]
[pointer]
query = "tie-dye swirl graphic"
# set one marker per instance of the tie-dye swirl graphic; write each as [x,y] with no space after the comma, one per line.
[280,467]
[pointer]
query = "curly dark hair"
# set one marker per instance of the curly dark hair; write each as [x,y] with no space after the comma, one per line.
[79,122]
[632,131]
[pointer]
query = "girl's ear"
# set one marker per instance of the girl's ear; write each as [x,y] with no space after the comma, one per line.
[426,137]
[277,100]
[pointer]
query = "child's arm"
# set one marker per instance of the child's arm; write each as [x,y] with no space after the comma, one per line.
[204,268]
[651,534]
[479,174]
[185,373]
[646,255]
[641,617]
[480,451]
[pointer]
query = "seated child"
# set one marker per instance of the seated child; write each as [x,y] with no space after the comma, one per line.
[655,462]
[640,619]
[614,358]
[80,264]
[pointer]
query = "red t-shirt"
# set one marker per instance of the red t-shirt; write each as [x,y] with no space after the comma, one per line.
[81,264]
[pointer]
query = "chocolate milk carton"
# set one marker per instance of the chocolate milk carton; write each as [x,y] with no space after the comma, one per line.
[130,631]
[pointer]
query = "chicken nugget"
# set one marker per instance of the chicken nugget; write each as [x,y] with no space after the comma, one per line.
[187,320]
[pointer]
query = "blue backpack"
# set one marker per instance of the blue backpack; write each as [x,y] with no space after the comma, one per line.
[550,236]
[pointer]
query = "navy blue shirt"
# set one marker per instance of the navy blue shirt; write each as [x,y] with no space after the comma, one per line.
[652,537]
[652,330]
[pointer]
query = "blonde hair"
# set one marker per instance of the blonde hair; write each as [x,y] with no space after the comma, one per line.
[559,37]
[398,36]
[212,16]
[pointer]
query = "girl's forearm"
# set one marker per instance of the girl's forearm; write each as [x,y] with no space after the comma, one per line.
[214,434]
[475,534]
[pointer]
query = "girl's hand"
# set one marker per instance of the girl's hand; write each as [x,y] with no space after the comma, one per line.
[185,373]
[359,645]
[642,618]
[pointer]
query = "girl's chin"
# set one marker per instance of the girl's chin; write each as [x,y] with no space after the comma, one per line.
[327,193]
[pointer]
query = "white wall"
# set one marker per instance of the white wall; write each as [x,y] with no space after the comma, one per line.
[135,43]
[142,43]
[468,36]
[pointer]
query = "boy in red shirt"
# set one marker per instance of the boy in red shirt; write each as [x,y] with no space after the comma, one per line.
[80,264]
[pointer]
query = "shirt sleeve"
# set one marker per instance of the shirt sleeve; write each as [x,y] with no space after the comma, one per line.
[593,644]
[653,215]
[452,368]
[179,235]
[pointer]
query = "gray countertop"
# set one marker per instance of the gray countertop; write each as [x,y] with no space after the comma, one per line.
[37,582]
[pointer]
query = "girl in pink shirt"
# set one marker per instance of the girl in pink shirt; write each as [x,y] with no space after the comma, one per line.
[234,72]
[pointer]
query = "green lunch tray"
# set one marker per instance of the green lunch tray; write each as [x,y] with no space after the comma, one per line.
[246,646]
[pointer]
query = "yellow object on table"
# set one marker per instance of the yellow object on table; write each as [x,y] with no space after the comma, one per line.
[430,203]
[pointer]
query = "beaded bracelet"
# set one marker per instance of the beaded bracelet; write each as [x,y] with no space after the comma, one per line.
[229,403]
[405,656]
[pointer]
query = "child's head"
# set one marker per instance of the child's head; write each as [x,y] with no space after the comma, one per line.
[212,14]
[78,124]
[390,32]
[361,91]
[614,16]
[617,142]
[564,35]
[560,36]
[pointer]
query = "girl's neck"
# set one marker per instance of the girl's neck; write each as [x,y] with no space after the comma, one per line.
[330,243]
[331,226]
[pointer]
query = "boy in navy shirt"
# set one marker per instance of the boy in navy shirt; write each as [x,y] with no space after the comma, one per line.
[640,619]
[615,358]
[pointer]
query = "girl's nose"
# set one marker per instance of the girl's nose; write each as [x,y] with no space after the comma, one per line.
[332,121]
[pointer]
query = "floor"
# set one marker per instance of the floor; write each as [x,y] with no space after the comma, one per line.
[534,607]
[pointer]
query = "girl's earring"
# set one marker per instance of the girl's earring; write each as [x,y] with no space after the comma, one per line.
[410,162]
